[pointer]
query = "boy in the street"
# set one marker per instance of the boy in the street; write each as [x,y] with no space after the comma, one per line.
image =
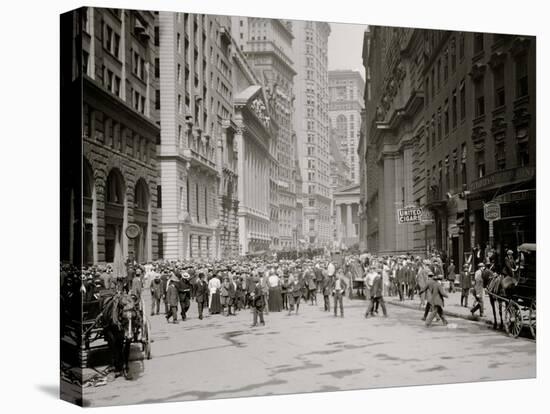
[257,303]
[339,289]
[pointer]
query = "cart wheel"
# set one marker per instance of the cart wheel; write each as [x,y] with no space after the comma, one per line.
[146,340]
[513,319]
[533,319]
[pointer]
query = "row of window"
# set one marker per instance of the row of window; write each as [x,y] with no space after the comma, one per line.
[451,172]
[117,136]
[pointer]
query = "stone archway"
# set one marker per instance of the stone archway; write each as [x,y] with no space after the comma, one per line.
[142,217]
[115,217]
[89,215]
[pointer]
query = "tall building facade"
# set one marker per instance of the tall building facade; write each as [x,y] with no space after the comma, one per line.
[394,126]
[198,169]
[119,135]
[346,89]
[468,134]
[267,45]
[312,126]
[254,131]
[480,141]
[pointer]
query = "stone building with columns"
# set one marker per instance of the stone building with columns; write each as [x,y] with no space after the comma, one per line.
[253,135]
[394,127]
[267,45]
[119,135]
[347,209]
[198,197]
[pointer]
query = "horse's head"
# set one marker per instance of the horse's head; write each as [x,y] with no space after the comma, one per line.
[127,315]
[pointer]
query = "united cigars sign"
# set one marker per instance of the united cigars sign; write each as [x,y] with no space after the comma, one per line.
[409,215]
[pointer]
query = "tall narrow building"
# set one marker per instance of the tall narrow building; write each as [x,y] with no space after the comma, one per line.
[311,124]
[119,136]
[346,103]
[198,169]
[267,45]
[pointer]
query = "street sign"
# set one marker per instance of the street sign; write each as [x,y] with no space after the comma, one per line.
[491,211]
[409,215]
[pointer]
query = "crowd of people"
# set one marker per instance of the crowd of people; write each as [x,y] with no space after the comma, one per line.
[266,285]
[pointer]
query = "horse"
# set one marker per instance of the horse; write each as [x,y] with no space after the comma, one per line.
[500,288]
[120,322]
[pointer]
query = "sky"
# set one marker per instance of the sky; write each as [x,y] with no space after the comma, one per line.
[345,46]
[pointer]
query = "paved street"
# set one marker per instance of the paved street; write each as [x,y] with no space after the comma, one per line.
[222,357]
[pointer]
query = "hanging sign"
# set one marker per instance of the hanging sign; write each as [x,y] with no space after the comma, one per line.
[491,211]
[409,215]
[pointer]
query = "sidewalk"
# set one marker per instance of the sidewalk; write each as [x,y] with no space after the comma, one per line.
[452,307]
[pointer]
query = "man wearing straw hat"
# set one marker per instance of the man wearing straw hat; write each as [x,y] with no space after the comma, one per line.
[184,293]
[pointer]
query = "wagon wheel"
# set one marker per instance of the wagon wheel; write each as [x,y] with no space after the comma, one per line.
[533,319]
[513,319]
[146,340]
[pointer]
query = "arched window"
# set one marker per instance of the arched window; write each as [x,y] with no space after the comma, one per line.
[115,187]
[141,195]
[87,179]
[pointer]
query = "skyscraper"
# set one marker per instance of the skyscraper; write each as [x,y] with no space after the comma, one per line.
[311,123]
[267,45]
[197,165]
[346,103]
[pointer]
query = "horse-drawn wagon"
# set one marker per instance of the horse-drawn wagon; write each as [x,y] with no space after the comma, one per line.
[111,320]
[519,294]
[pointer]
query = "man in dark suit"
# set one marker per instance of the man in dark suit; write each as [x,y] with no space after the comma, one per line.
[184,294]
[339,290]
[465,285]
[201,293]
[429,292]
[257,302]
[376,297]
[438,295]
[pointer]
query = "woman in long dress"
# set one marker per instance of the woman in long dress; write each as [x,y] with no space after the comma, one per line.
[275,300]
[214,288]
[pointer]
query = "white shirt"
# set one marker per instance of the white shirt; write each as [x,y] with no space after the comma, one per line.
[370,279]
[214,284]
[337,286]
[273,281]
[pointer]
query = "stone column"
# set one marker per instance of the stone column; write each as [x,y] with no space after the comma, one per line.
[338,223]
[349,222]
[181,242]
[408,237]
[388,214]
